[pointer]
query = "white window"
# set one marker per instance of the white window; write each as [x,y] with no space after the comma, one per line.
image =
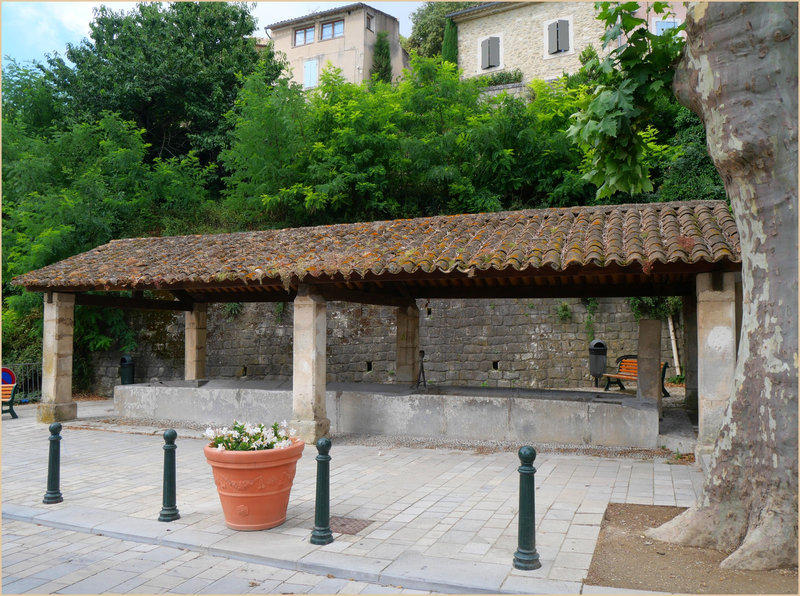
[558,37]
[490,53]
[304,36]
[332,29]
[310,74]
[661,26]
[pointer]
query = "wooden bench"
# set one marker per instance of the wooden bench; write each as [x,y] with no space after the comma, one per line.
[9,391]
[628,369]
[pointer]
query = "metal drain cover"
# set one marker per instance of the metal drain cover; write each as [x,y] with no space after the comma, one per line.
[348,525]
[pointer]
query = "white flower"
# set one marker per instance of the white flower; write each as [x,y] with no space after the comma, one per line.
[210,434]
[220,447]
[292,432]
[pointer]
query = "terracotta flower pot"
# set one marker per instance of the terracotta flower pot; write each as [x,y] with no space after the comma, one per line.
[254,486]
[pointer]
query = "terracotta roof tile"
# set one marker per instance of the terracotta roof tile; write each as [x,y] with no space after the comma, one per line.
[638,235]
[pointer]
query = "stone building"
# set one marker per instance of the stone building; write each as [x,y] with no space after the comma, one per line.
[344,37]
[542,39]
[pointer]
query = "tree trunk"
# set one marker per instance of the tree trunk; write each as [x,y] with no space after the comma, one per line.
[739,74]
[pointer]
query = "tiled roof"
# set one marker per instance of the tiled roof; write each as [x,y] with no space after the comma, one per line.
[634,237]
[324,13]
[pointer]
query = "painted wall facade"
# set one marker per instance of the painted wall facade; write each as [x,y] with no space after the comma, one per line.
[352,52]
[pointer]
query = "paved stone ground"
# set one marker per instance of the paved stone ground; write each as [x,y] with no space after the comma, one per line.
[442,520]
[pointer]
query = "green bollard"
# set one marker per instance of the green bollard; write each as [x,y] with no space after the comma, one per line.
[526,557]
[322,512]
[53,494]
[169,510]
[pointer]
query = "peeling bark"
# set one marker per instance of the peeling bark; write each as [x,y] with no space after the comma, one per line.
[739,74]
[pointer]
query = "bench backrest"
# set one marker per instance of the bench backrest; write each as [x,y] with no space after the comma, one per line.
[7,391]
[629,367]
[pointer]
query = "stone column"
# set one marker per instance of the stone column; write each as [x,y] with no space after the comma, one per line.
[59,323]
[195,342]
[407,343]
[716,353]
[308,377]
[690,350]
[649,359]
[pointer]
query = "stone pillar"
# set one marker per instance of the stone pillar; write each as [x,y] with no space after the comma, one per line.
[195,342]
[407,343]
[716,353]
[690,350]
[648,383]
[308,377]
[59,322]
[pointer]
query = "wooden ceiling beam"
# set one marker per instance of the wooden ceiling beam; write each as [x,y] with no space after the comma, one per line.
[364,297]
[131,303]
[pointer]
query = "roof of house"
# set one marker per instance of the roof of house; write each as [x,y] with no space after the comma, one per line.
[324,13]
[472,9]
[635,242]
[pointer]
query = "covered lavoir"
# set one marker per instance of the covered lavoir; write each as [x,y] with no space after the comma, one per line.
[690,249]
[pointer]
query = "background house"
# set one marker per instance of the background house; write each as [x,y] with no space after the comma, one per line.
[541,39]
[343,36]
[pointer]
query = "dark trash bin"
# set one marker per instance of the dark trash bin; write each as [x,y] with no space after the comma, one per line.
[126,370]
[597,359]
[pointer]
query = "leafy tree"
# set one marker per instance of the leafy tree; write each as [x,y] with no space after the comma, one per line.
[173,69]
[30,101]
[450,42]
[428,24]
[74,190]
[739,74]
[425,146]
[382,58]
[613,129]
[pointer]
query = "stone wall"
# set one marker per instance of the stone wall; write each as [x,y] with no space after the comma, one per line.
[478,343]
[522,30]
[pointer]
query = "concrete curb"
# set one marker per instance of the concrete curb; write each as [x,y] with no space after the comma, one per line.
[412,570]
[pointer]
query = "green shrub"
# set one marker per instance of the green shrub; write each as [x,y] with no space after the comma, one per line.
[503,77]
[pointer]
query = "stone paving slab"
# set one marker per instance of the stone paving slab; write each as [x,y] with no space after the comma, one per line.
[442,520]
[414,570]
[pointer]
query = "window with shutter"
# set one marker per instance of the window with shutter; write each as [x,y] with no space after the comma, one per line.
[552,38]
[309,74]
[558,36]
[490,52]
[563,36]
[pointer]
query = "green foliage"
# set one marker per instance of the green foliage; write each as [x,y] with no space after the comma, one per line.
[503,77]
[677,379]
[424,146]
[588,324]
[232,310]
[564,312]
[77,189]
[280,310]
[29,99]
[613,128]
[654,307]
[450,42]
[428,24]
[173,69]
[382,59]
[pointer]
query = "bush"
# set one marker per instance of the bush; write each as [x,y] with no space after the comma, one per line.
[503,77]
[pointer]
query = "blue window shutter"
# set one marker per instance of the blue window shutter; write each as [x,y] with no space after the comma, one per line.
[309,74]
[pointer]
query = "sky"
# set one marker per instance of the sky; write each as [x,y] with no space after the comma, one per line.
[32,29]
